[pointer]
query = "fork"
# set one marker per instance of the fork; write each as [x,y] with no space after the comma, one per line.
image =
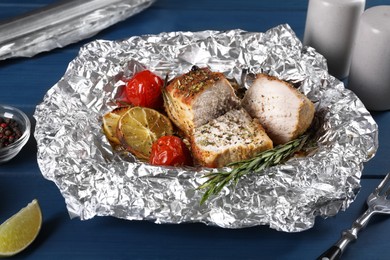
[377,203]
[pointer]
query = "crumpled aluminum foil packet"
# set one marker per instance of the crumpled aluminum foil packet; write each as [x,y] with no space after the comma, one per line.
[97,181]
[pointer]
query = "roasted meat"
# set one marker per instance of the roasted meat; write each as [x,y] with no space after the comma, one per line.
[232,137]
[284,112]
[193,99]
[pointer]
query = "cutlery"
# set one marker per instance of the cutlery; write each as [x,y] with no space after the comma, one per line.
[378,203]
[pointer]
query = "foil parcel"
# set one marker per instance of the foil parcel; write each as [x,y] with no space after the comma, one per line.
[95,180]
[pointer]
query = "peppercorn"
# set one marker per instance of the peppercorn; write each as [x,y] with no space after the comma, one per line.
[10,131]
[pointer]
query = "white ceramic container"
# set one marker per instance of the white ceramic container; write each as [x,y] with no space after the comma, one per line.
[370,68]
[331,27]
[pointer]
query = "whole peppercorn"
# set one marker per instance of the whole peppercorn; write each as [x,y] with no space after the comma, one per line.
[10,131]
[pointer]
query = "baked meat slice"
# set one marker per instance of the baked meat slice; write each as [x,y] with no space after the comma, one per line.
[232,137]
[284,112]
[194,98]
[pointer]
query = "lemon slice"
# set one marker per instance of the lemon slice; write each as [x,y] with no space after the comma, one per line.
[110,123]
[20,230]
[139,127]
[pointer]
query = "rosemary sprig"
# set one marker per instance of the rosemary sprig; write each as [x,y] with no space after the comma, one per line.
[218,180]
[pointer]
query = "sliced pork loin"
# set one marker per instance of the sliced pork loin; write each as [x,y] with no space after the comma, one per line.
[232,137]
[194,98]
[284,112]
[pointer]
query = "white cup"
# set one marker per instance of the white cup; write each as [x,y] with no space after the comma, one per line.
[370,68]
[331,27]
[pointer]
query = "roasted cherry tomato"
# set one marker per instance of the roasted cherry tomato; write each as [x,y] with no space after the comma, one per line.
[144,89]
[170,150]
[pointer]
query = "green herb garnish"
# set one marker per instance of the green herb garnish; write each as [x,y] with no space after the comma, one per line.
[279,154]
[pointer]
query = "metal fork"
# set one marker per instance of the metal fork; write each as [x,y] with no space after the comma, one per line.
[377,203]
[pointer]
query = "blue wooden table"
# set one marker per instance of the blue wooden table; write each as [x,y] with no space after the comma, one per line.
[24,82]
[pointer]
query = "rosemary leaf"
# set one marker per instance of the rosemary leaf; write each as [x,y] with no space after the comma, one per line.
[279,154]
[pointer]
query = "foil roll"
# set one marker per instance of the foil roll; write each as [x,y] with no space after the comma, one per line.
[62,23]
[95,180]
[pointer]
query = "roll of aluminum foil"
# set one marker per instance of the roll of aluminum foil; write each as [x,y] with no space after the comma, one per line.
[62,23]
[95,180]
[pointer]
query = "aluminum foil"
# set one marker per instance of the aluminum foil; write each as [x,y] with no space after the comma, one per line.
[97,181]
[62,23]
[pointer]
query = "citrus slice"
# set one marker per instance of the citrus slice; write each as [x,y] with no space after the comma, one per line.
[110,123]
[139,127]
[20,230]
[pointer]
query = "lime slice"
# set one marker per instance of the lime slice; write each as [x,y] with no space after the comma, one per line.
[139,127]
[110,123]
[20,230]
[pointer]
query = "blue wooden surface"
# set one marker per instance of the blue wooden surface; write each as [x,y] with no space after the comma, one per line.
[24,82]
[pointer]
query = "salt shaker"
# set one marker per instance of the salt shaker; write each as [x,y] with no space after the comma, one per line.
[370,67]
[331,27]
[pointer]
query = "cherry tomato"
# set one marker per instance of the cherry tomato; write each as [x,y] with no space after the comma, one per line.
[144,89]
[170,150]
